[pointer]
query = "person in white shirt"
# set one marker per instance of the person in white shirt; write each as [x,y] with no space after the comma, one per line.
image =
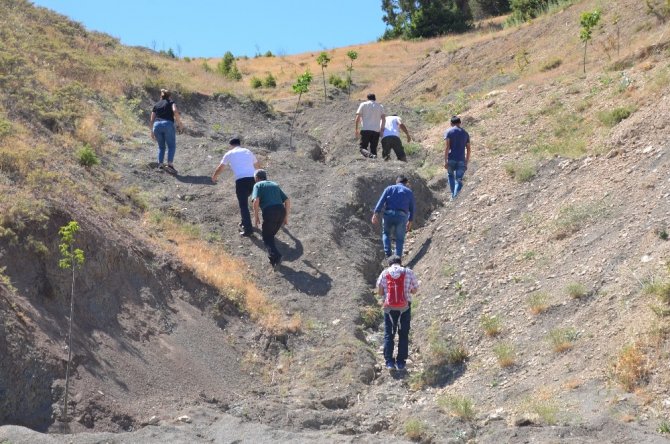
[243,163]
[391,138]
[371,114]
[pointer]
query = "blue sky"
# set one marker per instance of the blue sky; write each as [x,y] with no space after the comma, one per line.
[208,28]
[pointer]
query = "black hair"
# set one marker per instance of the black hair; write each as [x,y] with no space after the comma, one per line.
[394,259]
[372,97]
[401,179]
[235,141]
[261,175]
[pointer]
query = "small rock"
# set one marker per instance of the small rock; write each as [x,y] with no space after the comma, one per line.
[153,421]
[490,103]
[646,258]
[612,153]
[525,419]
[185,419]
[648,150]
[336,321]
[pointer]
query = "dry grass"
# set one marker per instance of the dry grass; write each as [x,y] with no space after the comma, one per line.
[630,368]
[207,263]
[458,406]
[538,303]
[505,354]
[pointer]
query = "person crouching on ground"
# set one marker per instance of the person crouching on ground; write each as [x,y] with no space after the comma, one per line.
[275,206]
[395,285]
[391,138]
[397,201]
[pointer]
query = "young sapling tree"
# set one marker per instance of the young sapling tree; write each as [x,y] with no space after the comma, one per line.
[300,87]
[588,20]
[353,55]
[71,258]
[323,60]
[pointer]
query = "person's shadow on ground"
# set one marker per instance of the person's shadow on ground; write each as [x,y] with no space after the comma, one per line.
[197,180]
[315,283]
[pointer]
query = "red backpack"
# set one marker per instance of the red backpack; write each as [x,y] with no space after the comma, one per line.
[395,291]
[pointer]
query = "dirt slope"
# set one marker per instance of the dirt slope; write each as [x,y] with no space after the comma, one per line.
[153,339]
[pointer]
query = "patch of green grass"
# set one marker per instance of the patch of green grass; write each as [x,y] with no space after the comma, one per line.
[87,157]
[538,302]
[544,407]
[5,127]
[458,406]
[448,270]
[658,288]
[613,117]
[662,234]
[562,339]
[505,354]
[522,172]
[573,217]
[528,255]
[492,325]
[371,316]
[664,428]
[255,82]
[136,196]
[412,148]
[415,429]
[576,290]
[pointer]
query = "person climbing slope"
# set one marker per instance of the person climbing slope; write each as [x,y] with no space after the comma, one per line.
[395,285]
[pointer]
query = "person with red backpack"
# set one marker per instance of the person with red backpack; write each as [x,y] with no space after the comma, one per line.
[396,285]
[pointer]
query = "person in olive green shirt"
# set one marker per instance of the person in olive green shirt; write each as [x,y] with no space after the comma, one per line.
[275,206]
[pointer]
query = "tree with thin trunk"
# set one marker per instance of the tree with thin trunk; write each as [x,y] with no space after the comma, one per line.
[588,20]
[323,60]
[353,55]
[71,258]
[300,87]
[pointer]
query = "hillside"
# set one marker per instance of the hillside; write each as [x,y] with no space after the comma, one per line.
[543,309]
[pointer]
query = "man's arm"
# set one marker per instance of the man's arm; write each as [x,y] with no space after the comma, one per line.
[447,148]
[357,122]
[412,208]
[151,124]
[257,207]
[378,207]
[404,129]
[381,128]
[287,205]
[467,153]
[217,171]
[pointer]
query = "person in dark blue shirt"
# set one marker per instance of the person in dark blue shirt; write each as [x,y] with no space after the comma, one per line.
[456,155]
[397,203]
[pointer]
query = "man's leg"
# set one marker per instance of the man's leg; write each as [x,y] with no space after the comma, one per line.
[273,219]
[390,327]
[451,168]
[374,141]
[400,229]
[243,188]
[399,150]
[403,335]
[386,147]
[365,140]
[387,226]
[459,172]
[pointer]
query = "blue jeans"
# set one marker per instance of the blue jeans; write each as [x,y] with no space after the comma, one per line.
[395,321]
[165,135]
[455,173]
[394,224]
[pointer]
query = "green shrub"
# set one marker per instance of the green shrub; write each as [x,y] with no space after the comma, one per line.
[562,339]
[492,325]
[371,316]
[5,128]
[268,54]
[613,117]
[87,156]
[338,82]
[458,406]
[256,82]
[505,354]
[412,148]
[415,429]
[521,172]
[538,302]
[269,81]
[576,290]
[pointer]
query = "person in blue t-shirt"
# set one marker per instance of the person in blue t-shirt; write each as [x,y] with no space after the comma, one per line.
[456,155]
[397,201]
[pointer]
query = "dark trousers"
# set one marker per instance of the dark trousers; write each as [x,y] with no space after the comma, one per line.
[243,188]
[393,143]
[395,321]
[273,219]
[370,138]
